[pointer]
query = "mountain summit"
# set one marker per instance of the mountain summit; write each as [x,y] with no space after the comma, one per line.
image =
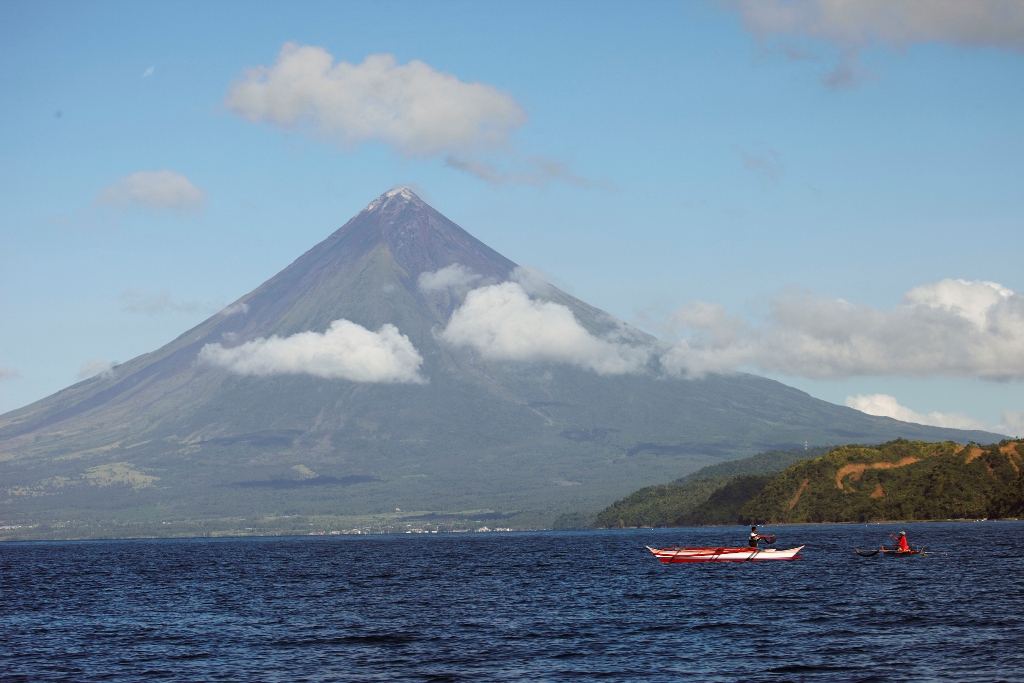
[400,363]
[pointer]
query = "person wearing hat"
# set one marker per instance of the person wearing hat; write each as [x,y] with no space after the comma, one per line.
[902,540]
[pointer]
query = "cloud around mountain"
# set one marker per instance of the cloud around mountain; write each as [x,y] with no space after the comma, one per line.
[94,367]
[454,278]
[947,328]
[502,322]
[345,351]
[418,110]
[952,328]
[1012,423]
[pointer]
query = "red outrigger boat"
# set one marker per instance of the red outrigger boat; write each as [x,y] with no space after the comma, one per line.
[677,554]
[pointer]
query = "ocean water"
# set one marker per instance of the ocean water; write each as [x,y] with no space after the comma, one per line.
[544,606]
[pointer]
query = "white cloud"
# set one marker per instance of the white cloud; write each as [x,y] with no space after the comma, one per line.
[887,406]
[1012,423]
[345,351]
[975,23]
[536,171]
[157,190]
[95,366]
[503,323]
[418,110]
[531,280]
[850,25]
[134,301]
[6,373]
[970,300]
[239,308]
[951,328]
[148,72]
[455,278]
[155,303]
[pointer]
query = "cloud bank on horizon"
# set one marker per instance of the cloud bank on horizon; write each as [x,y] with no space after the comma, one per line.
[951,328]
[883,405]
[345,351]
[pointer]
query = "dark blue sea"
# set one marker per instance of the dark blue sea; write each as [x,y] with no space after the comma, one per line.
[544,606]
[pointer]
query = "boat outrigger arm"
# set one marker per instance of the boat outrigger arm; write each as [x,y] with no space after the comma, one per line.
[679,554]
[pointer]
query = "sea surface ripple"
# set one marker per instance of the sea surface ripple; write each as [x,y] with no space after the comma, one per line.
[538,606]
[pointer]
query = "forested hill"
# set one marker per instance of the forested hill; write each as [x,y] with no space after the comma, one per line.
[675,504]
[898,480]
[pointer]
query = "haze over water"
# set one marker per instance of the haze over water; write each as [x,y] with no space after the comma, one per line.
[546,606]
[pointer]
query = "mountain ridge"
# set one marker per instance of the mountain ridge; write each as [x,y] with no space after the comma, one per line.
[537,435]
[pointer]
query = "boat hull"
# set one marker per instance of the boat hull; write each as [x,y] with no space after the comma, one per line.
[900,553]
[680,555]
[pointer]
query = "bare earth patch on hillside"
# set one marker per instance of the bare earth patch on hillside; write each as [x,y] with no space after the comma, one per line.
[799,492]
[856,471]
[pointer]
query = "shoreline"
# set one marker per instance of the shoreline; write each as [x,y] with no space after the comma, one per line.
[229,535]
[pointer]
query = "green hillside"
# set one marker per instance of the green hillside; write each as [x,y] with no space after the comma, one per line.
[725,504]
[899,480]
[686,501]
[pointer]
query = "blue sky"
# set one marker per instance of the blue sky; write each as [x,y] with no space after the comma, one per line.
[733,154]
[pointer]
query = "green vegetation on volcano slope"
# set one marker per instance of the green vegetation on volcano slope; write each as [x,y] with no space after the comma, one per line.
[712,495]
[898,480]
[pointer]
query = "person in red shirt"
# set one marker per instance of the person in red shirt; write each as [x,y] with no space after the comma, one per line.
[902,540]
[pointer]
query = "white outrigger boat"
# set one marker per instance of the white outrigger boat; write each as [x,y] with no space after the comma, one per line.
[682,554]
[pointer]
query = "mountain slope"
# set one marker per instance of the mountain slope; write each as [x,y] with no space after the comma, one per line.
[168,435]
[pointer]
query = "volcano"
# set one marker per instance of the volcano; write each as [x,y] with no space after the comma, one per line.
[400,363]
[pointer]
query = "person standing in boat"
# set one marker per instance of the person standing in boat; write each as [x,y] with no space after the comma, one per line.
[904,547]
